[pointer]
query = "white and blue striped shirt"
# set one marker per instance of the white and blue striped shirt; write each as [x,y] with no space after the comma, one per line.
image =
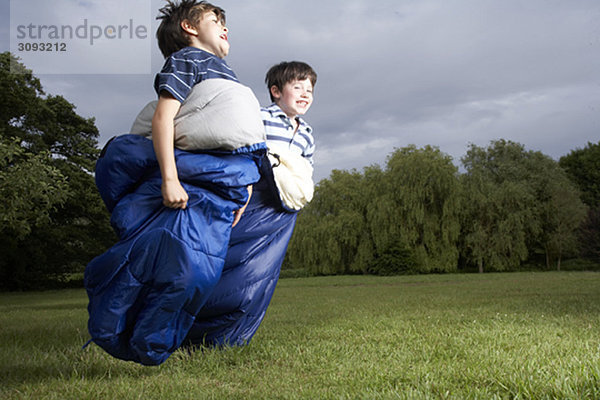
[187,67]
[280,132]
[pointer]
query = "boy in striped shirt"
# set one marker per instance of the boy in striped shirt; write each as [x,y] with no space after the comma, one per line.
[290,87]
[193,38]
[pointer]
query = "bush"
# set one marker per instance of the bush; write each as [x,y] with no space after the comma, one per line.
[396,260]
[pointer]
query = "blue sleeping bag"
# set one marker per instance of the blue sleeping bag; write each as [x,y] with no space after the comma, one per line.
[184,277]
[236,307]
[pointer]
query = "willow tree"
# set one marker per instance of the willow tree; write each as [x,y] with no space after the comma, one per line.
[331,235]
[516,202]
[499,206]
[416,214]
[496,220]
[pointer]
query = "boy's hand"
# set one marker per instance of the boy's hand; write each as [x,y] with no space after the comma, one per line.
[174,195]
[237,214]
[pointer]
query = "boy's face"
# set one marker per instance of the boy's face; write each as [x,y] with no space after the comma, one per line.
[295,98]
[209,34]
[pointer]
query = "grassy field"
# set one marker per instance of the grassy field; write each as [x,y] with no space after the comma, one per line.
[490,336]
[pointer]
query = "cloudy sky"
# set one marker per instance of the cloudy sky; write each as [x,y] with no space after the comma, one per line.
[391,73]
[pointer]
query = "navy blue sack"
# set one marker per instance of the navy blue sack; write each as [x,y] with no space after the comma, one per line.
[145,291]
[257,247]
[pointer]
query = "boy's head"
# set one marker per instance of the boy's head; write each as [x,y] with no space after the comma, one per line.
[192,22]
[291,86]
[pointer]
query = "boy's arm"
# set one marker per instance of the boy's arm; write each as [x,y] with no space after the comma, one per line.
[237,214]
[163,138]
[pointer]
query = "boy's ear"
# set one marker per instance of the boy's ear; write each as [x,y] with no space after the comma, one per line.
[275,92]
[188,27]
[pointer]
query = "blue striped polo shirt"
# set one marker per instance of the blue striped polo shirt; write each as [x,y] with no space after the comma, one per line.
[280,132]
[187,67]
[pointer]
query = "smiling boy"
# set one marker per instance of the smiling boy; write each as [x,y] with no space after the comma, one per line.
[193,38]
[290,87]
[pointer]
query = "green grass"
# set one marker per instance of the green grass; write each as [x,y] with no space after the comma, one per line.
[490,336]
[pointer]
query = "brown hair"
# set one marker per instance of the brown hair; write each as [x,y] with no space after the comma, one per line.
[284,72]
[171,36]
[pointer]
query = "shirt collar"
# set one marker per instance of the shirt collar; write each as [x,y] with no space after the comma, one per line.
[276,111]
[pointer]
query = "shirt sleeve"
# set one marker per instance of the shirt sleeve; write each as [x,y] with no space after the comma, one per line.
[177,77]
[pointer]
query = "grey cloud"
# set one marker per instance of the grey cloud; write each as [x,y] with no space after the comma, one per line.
[397,72]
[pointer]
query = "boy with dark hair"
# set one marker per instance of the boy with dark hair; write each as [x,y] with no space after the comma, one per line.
[258,244]
[146,290]
[290,86]
[193,38]
[170,35]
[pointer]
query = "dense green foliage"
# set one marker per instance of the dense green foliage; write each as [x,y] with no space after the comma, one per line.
[509,207]
[517,203]
[398,220]
[30,188]
[455,336]
[583,167]
[53,221]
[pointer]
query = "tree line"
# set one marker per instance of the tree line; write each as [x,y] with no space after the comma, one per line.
[52,220]
[418,214]
[507,207]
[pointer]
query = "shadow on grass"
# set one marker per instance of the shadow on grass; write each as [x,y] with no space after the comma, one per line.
[89,367]
[47,307]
